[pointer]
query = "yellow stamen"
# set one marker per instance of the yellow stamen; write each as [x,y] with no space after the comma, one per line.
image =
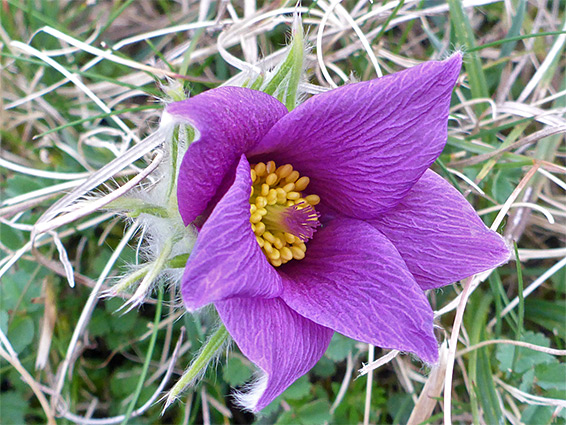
[260,169]
[302,183]
[286,253]
[293,195]
[313,199]
[281,216]
[284,170]
[255,218]
[289,187]
[268,236]
[293,177]
[298,254]
[271,179]
[275,255]
[289,238]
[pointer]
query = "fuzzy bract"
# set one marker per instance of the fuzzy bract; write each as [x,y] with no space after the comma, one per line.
[390,228]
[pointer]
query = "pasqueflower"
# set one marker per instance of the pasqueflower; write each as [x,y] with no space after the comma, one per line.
[325,218]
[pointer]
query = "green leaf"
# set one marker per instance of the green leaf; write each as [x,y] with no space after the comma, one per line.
[284,82]
[526,358]
[480,375]
[487,393]
[10,237]
[339,347]
[124,380]
[21,333]
[537,415]
[472,63]
[300,389]
[4,316]
[315,413]
[400,407]
[126,322]
[99,324]
[325,368]
[236,372]
[527,380]
[549,314]
[504,182]
[551,376]
[11,291]
[14,408]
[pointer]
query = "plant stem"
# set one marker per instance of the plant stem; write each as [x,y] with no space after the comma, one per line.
[147,357]
[207,353]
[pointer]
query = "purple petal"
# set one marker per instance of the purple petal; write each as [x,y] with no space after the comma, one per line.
[354,281]
[364,145]
[439,235]
[282,343]
[229,120]
[227,260]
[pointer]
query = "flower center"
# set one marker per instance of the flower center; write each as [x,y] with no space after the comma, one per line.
[281,217]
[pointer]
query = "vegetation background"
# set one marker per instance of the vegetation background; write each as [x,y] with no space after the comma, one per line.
[82,81]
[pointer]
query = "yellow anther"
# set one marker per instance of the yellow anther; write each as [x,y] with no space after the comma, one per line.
[268,236]
[275,254]
[289,238]
[274,191]
[289,187]
[292,178]
[259,229]
[284,170]
[260,169]
[278,243]
[272,197]
[313,199]
[302,183]
[271,179]
[298,254]
[255,218]
[286,254]
[293,195]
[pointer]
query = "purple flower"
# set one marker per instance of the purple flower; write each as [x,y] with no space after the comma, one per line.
[352,247]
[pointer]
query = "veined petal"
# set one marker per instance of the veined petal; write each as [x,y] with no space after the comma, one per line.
[282,343]
[439,234]
[229,121]
[227,260]
[364,145]
[354,281]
